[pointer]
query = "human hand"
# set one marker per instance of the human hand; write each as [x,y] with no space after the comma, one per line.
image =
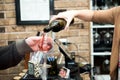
[66,15]
[45,43]
[35,43]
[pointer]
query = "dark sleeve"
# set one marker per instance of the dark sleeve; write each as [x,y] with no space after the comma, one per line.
[12,54]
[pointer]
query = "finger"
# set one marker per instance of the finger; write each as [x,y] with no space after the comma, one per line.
[32,40]
[67,29]
[53,18]
[68,24]
[56,17]
[35,38]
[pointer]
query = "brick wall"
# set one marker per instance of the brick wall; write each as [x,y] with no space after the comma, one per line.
[78,34]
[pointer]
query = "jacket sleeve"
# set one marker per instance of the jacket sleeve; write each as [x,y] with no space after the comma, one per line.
[12,54]
[104,16]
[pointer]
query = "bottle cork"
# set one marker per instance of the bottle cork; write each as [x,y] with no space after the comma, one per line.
[24,70]
[17,78]
[21,74]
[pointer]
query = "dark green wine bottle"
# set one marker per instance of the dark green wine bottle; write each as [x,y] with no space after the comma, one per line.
[56,25]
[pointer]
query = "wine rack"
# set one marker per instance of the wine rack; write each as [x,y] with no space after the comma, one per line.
[101,41]
[104,4]
[101,44]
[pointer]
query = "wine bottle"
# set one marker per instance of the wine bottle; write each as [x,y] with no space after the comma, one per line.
[97,38]
[57,25]
[107,39]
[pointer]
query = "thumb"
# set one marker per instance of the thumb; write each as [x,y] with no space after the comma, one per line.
[68,24]
[34,38]
[30,40]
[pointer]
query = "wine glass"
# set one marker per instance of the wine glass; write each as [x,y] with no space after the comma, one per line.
[46,48]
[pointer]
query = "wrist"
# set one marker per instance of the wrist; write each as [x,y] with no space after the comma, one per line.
[23,47]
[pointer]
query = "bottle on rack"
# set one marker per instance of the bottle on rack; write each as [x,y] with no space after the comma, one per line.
[56,25]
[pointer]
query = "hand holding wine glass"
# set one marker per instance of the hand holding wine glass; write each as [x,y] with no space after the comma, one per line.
[46,43]
[39,43]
